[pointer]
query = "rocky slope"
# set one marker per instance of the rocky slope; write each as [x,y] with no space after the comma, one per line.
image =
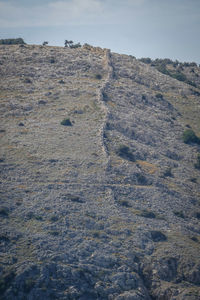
[107,207]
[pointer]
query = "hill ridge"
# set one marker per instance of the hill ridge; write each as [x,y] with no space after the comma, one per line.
[106,207]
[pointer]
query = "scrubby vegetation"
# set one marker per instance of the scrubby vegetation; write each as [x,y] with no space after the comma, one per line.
[18,41]
[168,172]
[66,122]
[85,210]
[70,44]
[159,96]
[175,71]
[189,137]
[197,164]
[98,76]
[179,214]
[125,152]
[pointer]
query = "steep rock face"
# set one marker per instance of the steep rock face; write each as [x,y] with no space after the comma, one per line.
[108,207]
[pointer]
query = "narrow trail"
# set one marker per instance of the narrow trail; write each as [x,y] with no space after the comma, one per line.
[100,99]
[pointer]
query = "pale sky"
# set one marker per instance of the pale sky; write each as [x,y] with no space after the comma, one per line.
[143,28]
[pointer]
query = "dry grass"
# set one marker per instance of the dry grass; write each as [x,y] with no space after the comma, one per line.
[147,167]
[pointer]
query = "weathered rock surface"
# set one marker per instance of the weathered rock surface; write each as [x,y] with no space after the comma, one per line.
[106,208]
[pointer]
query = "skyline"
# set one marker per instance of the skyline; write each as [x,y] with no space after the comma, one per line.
[143,28]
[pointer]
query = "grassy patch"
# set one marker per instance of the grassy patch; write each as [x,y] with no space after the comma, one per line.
[147,167]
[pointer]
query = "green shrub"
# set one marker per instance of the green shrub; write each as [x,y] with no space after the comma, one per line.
[158,236]
[193,179]
[190,137]
[159,96]
[141,179]
[18,41]
[197,214]
[66,122]
[54,232]
[75,46]
[4,212]
[28,285]
[162,68]
[38,218]
[27,80]
[179,214]
[124,203]
[168,172]
[179,76]
[96,234]
[98,76]
[71,44]
[54,219]
[61,81]
[147,214]
[125,152]
[146,60]
[194,238]
[197,165]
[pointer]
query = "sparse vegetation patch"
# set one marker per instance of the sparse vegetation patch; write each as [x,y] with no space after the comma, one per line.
[125,152]
[18,41]
[98,76]
[189,137]
[197,164]
[66,122]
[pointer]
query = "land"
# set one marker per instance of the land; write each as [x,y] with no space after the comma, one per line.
[100,196]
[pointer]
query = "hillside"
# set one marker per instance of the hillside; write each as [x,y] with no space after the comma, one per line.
[106,204]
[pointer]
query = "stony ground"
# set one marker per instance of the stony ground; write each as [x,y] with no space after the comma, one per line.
[108,207]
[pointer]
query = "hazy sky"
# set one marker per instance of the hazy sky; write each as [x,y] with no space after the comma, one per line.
[143,28]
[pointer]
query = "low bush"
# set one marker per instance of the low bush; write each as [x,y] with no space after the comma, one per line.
[146,60]
[158,236]
[168,172]
[18,41]
[124,203]
[27,80]
[197,165]
[179,214]
[141,179]
[4,212]
[61,81]
[197,215]
[98,76]
[190,137]
[54,219]
[159,96]
[147,214]
[125,152]
[193,179]
[66,122]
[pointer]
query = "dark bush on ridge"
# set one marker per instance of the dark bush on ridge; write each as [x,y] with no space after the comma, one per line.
[18,41]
